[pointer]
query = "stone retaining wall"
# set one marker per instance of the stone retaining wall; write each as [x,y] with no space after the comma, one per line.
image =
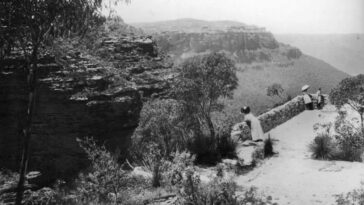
[275,117]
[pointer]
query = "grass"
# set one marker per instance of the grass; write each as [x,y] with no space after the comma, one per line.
[323,147]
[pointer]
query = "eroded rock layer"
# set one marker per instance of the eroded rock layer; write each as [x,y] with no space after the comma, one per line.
[79,95]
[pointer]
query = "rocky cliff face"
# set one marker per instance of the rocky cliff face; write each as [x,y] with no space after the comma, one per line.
[243,46]
[79,95]
[184,38]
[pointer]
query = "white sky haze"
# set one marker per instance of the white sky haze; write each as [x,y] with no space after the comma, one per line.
[278,16]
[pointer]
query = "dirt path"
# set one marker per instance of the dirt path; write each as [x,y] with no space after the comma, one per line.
[292,177]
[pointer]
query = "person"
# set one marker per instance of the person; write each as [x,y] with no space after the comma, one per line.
[307,99]
[319,99]
[253,123]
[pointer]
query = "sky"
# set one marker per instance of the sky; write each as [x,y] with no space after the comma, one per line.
[277,16]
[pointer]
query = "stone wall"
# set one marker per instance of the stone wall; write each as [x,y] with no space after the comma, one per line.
[274,117]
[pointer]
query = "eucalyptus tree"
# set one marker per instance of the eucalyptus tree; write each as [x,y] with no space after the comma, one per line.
[31,25]
[350,91]
[202,80]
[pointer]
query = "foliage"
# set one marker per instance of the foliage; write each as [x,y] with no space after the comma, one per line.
[323,147]
[223,122]
[201,81]
[31,25]
[350,139]
[257,155]
[161,122]
[175,170]
[44,195]
[350,91]
[268,147]
[186,122]
[293,53]
[275,89]
[346,143]
[106,179]
[216,191]
[355,197]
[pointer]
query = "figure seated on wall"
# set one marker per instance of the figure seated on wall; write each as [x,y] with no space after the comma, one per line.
[253,123]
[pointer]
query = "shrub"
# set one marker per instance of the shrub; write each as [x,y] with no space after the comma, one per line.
[350,91]
[257,155]
[293,53]
[350,139]
[105,180]
[217,191]
[161,123]
[174,170]
[351,147]
[355,197]
[223,123]
[205,149]
[323,147]
[268,147]
[346,144]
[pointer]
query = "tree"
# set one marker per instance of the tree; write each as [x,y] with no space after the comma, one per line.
[31,25]
[111,4]
[201,81]
[161,122]
[350,91]
[275,89]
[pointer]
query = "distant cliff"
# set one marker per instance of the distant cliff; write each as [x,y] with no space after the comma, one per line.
[261,60]
[187,37]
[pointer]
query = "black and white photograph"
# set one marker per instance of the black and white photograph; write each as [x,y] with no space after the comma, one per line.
[182,102]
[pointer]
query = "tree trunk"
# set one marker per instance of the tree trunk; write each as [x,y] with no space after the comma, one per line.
[211,126]
[27,127]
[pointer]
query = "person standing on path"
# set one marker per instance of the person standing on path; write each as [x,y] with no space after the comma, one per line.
[307,99]
[319,99]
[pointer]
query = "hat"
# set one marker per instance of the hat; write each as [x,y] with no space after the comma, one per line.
[245,110]
[305,87]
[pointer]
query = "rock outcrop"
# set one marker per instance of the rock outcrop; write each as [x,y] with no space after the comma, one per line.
[79,95]
[243,46]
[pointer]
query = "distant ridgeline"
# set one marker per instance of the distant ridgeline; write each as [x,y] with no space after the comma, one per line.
[244,43]
[274,117]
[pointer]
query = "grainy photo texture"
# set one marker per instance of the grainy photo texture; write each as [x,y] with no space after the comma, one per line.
[182,102]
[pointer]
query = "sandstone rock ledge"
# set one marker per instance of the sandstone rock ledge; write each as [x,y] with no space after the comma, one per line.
[79,94]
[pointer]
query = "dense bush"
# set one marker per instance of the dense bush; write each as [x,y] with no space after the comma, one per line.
[105,180]
[346,143]
[217,191]
[350,139]
[268,147]
[293,53]
[350,91]
[355,197]
[163,123]
[185,122]
[323,147]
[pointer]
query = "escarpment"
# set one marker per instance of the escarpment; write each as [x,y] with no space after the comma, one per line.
[79,94]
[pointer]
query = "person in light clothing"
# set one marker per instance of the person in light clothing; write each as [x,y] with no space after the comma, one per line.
[307,99]
[319,99]
[254,124]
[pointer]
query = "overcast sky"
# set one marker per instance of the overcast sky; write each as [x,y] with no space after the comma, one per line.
[278,16]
